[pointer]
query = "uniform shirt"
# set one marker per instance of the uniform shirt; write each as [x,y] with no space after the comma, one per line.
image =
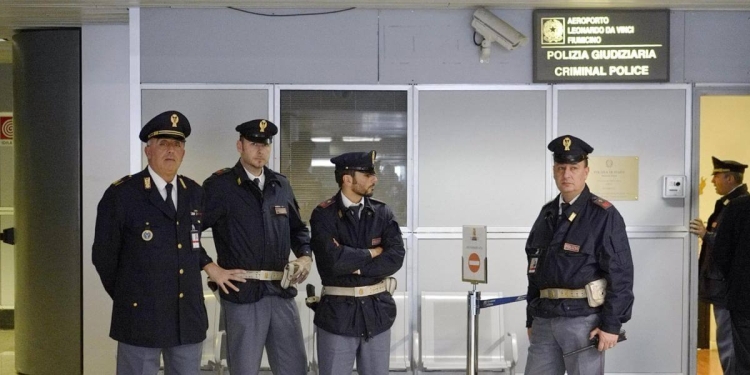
[588,244]
[261,178]
[350,316]
[712,286]
[145,258]
[254,229]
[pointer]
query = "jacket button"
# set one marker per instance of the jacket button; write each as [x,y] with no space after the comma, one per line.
[181,295]
[362,302]
[179,246]
[182,271]
[178,223]
[135,304]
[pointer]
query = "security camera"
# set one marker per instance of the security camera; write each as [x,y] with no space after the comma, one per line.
[493,29]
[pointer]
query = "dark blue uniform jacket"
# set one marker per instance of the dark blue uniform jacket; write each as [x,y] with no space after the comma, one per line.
[732,253]
[570,254]
[254,230]
[712,286]
[147,263]
[350,316]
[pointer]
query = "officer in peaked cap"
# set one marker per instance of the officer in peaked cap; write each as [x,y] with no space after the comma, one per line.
[148,254]
[169,124]
[256,223]
[258,131]
[358,246]
[356,161]
[727,177]
[568,149]
[580,271]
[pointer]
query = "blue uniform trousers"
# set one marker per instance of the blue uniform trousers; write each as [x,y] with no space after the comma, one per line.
[178,360]
[336,354]
[741,337]
[272,322]
[551,338]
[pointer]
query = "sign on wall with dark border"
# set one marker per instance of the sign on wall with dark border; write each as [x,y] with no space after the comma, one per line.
[595,45]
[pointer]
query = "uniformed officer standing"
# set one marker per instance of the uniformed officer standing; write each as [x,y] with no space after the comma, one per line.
[256,221]
[712,286]
[357,245]
[148,254]
[580,271]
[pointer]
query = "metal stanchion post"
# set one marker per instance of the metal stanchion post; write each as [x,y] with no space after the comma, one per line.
[472,353]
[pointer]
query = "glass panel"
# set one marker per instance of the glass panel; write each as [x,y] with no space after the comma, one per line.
[317,125]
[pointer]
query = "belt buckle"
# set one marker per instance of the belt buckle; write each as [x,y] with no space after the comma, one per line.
[554,293]
[359,291]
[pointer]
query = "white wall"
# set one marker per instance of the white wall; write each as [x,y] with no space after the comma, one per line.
[106,114]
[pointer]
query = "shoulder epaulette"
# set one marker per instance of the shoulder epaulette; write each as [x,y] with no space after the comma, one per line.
[222,171]
[122,180]
[373,200]
[603,203]
[326,203]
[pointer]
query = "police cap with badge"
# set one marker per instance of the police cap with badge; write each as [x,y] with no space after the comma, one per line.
[169,124]
[723,166]
[258,131]
[568,149]
[355,161]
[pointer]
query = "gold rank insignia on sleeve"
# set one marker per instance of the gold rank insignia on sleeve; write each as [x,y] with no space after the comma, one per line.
[147,183]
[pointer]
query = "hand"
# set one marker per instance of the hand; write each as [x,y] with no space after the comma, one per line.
[222,277]
[697,227]
[606,340]
[376,251]
[528,332]
[304,263]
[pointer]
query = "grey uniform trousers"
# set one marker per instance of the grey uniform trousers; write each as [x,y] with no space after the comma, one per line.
[273,323]
[551,338]
[336,354]
[724,339]
[178,360]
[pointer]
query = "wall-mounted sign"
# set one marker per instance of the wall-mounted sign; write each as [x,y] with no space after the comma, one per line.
[614,178]
[6,129]
[607,45]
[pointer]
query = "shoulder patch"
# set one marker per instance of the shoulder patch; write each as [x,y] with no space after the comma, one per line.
[122,180]
[222,171]
[603,203]
[326,203]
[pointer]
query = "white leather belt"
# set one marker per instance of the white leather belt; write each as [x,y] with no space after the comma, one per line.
[262,275]
[358,291]
[559,293]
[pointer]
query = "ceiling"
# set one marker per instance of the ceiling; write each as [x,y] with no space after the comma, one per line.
[28,14]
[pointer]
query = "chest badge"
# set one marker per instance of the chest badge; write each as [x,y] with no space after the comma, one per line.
[280,210]
[571,247]
[147,235]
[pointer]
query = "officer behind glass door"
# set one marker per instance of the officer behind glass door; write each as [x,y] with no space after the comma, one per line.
[148,255]
[578,239]
[712,286]
[256,221]
[357,245]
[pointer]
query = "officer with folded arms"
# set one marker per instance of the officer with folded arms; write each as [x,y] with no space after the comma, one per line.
[580,271]
[148,254]
[256,222]
[357,245]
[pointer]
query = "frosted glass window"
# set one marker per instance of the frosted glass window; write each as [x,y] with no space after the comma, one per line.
[320,124]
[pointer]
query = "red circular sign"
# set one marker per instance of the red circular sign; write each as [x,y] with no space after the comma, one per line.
[474,262]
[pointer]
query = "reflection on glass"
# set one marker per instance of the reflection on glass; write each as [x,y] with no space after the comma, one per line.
[318,125]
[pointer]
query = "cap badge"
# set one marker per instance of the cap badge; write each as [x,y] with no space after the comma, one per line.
[566,143]
[175,119]
[263,125]
[373,157]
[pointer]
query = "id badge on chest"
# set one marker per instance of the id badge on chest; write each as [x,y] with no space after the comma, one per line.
[195,237]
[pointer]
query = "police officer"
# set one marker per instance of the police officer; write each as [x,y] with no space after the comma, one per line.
[712,287]
[256,221]
[148,254]
[580,271]
[357,245]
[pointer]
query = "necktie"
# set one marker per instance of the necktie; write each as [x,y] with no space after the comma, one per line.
[561,217]
[355,210]
[256,181]
[169,200]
